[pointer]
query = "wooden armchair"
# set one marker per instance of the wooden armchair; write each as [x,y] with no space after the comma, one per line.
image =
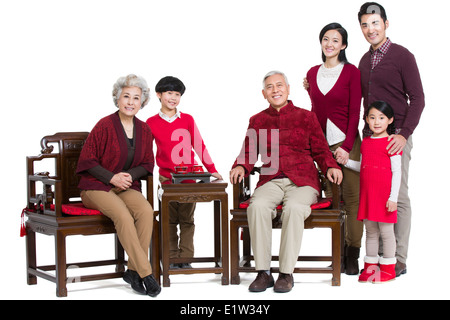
[58,211]
[327,213]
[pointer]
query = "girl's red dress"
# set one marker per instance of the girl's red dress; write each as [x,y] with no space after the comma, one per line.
[375,181]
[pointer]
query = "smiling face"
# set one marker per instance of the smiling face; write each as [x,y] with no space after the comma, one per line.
[374,29]
[276,91]
[332,44]
[129,101]
[169,100]
[378,122]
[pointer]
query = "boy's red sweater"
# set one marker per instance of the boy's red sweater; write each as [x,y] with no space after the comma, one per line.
[176,142]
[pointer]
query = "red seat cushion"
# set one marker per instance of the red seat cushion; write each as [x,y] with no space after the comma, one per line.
[77,209]
[321,204]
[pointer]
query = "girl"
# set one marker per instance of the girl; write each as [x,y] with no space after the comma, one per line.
[380,175]
[335,92]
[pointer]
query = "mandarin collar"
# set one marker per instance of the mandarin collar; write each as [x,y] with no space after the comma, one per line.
[287,108]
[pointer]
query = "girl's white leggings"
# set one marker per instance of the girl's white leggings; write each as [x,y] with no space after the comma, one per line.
[373,232]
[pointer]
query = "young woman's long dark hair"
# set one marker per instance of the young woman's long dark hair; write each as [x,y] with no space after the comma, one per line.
[386,109]
[336,26]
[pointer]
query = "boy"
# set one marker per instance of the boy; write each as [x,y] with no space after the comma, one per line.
[176,137]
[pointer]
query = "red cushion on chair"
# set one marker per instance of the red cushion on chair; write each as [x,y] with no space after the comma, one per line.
[321,204]
[77,209]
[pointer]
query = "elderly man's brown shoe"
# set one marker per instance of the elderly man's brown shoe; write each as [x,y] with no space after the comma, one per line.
[284,283]
[262,282]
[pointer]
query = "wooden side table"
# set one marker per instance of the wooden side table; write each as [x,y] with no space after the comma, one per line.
[196,192]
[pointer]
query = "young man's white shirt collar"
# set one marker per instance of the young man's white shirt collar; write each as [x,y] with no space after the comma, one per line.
[170,119]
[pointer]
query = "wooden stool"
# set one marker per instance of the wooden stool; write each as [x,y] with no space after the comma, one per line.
[196,192]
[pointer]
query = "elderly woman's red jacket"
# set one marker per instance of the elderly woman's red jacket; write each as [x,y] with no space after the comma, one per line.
[106,146]
[301,142]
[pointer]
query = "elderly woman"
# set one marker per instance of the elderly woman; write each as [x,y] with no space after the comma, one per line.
[117,153]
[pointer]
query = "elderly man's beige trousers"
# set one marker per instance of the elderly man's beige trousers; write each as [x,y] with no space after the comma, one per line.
[296,209]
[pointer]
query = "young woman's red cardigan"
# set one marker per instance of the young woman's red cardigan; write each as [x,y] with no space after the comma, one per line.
[342,104]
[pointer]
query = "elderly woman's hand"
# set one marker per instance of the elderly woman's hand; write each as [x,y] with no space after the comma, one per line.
[122,180]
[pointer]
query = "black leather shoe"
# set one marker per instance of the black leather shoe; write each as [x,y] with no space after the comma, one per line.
[133,278]
[151,286]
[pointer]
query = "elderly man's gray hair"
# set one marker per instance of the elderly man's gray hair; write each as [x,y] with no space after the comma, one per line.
[271,73]
[131,80]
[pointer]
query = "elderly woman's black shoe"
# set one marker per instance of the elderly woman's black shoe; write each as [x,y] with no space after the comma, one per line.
[152,287]
[133,278]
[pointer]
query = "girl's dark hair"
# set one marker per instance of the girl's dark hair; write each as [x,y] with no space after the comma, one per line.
[336,26]
[386,109]
[170,84]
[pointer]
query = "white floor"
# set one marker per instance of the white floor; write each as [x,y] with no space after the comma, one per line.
[420,282]
[413,285]
[427,276]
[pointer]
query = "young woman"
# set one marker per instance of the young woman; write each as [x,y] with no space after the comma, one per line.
[335,91]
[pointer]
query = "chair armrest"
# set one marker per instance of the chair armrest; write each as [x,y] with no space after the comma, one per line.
[39,176]
[241,190]
[336,201]
[51,195]
[31,160]
[34,200]
[238,189]
[150,194]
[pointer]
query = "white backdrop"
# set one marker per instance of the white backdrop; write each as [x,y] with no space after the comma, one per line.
[59,60]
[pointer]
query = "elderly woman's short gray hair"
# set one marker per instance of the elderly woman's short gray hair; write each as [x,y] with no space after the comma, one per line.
[131,80]
[271,73]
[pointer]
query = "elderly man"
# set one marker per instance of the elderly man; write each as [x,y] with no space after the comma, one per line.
[289,140]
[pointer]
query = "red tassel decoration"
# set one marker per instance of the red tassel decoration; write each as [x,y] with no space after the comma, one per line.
[23,229]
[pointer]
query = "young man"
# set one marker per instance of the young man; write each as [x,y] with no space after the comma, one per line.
[177,136]
[294,139]
[389,73]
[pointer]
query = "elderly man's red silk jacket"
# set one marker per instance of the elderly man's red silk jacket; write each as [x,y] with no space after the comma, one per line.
[300,143]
